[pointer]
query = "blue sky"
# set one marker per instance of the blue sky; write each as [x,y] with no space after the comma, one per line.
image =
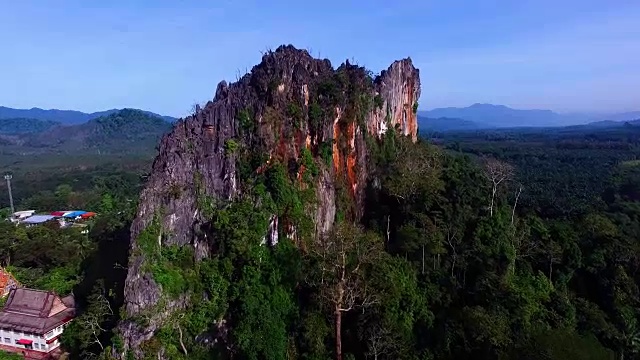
[165,55]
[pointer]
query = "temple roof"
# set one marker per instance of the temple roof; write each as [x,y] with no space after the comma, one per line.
[35,311]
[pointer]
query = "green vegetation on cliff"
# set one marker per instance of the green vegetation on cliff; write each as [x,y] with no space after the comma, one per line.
[481,248]
[434,272]
[435,252]
[438,276]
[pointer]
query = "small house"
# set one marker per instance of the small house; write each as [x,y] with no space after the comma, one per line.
[32,322]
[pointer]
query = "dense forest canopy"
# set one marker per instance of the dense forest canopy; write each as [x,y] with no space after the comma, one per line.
[433,271]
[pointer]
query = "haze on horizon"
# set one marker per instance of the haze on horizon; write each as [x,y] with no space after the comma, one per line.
[163,56]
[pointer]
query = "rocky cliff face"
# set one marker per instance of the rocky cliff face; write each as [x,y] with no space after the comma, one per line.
[291,107]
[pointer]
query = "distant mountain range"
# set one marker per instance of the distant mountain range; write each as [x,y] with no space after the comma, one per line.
[427,124]
[25,126]
[64,117]
[500,116]
[15,126]
[123,131]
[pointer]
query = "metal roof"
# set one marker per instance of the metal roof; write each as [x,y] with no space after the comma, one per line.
[37,219]
[74,214]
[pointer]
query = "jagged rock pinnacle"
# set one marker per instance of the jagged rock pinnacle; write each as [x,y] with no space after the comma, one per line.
[288,107]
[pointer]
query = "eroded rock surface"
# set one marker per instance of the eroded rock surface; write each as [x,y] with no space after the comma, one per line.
[288,103]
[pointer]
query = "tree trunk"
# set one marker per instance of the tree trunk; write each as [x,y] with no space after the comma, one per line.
[338,324]
[464,278]
[422,259]
[513,212]
[388,228]
[493,195]
[453,265]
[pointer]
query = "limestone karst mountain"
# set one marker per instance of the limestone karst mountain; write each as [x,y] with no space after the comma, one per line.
[317,122]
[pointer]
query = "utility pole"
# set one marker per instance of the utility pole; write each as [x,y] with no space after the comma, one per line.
[8,178]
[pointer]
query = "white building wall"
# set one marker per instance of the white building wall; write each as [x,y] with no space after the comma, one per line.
[9,338]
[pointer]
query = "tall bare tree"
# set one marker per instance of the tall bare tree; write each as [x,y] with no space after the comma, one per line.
[344,258]
[497,172]
[90,323]
[515,203]
[523,244]
[452,241]
[414,169]
[381,341]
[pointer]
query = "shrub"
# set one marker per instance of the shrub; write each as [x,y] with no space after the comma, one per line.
[244,118]
[326,153]
[315,115]
[378,101]
[294,111]
[309,163]
[230,146]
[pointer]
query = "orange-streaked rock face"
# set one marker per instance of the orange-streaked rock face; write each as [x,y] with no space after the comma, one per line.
[399,89]
[336,136]
[277,99]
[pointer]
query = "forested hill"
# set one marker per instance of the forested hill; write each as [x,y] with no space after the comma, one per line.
[66,117]
[124,130]
[16,126]
[119,132]
[430,125]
